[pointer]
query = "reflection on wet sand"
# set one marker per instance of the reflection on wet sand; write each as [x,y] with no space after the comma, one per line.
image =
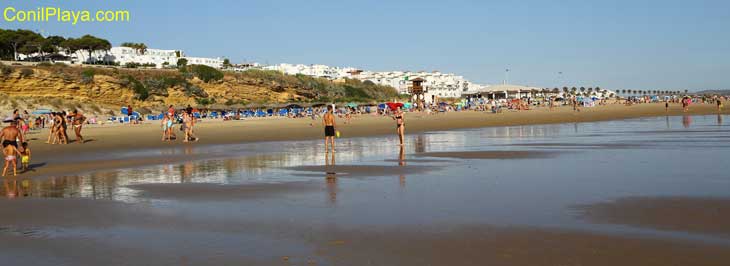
[331,179]
[490,154]
[687,121]
[261,202]
[402,162]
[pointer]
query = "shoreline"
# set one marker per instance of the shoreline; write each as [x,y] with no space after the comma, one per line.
[110,141]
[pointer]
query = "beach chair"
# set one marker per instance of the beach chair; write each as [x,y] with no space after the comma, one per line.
[125,119]
[214,114]
[151,117]
[283,112]
[160,116]
[270,112]
[196,115]
[260,113]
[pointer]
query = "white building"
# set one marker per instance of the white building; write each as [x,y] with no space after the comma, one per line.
[437,84]
[158,57]
[319,71]
[211,62]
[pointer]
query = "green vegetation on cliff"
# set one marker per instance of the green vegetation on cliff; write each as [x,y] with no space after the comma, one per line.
[193,84]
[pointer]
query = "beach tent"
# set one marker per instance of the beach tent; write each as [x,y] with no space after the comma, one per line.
[41,112]
[408,105]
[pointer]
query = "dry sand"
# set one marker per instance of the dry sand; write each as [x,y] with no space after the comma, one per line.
[687,214]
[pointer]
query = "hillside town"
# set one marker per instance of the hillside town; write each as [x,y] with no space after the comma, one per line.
[435,84]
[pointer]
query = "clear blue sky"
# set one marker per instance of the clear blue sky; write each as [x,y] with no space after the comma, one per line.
[613,44]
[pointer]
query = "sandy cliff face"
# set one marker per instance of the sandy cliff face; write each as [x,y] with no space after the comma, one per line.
[42,84]
[110,89]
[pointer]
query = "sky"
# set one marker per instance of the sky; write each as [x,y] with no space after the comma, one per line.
[616,44]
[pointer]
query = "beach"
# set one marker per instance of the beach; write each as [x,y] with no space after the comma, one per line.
[611,185]
[111,139]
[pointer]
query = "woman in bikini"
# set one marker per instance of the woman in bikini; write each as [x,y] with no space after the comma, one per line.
[78,122]
[166,124]
[63,128]
[52,128]
[400,124]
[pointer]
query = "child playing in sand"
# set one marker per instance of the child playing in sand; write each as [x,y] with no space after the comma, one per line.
[25,157]
[10,152]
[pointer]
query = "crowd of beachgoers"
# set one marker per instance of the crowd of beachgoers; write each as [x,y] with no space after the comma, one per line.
[15,135]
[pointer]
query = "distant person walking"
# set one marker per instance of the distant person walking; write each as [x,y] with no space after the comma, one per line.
[719,105]
[329,129]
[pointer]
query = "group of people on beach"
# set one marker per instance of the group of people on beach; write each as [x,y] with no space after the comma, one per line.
[14,146]
[14,136]
[58,125]
[331,132]
[187,124]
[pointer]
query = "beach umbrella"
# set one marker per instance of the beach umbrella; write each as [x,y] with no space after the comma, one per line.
[381,106]
[41,112]
[293,106]
[352,105]
[408,105]
[394,106]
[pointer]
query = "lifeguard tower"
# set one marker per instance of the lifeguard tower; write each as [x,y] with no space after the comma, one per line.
[417,92]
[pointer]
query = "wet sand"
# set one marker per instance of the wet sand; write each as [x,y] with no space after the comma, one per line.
[486,245]
[330,245]
[495,155]
[364,170]
[116,139]
[685,214]
[218,192]
[580,145]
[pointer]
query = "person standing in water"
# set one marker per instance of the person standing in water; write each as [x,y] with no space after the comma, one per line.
[400,124]
[329,129]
